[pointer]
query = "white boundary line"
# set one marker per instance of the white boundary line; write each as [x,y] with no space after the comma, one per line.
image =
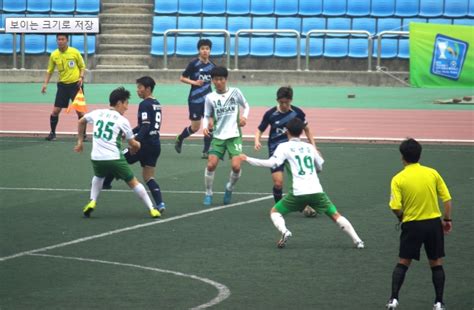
[223,291]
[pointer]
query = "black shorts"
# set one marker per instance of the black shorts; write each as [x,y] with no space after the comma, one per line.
[65,93]
[196,111]
[416,233]
[147,155]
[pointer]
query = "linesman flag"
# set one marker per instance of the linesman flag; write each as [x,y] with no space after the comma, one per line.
[79,103]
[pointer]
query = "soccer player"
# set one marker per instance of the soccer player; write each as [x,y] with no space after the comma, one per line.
[414,200]
[304,163]
[71,70]
[106,156]
[148,134]
[198,75]
[277,117]
[223,106]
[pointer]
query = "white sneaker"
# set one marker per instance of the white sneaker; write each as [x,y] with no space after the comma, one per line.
[284,239]
[392,304]
[439,306]
[360,245]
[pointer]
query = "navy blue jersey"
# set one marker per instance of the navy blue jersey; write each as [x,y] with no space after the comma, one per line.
[149,111]
[197,70]
[277,121]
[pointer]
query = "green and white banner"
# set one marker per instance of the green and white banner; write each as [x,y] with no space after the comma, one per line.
[441,55]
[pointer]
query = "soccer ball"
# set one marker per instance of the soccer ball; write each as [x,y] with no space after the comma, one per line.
[309,212]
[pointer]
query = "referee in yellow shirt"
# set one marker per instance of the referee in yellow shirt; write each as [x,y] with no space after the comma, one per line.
[71,70]
[414,200]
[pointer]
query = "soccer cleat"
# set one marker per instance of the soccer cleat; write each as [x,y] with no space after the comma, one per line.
[439,306]
[309,212]
[227,196]
[284,239]
[360,245]
[155,213]
[205,155]
[161,207]
[392,304]
[89,208]
[178,145]
[51,136]
[207,200]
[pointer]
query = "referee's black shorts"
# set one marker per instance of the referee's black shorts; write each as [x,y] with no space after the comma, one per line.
[417,233]
[65,93]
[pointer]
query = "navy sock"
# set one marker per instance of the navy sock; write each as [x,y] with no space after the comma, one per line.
[53,121]
[108,181]
[398,276]
[438,282]
[155,191]
[207,143]
[277,194]
[186,133]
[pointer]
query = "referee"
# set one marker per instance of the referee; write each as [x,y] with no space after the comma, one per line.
[71,70]
[414,200]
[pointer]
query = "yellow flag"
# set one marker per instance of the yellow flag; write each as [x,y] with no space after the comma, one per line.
[79,103]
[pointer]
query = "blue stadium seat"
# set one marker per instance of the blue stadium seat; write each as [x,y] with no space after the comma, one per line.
[35,43]
[293,23]
[244,46]
[63,6]
[456,8]
[163,23]
[383,8]
[39,6]
[262,7]
[464,22]
[339,23]
[6,43]
[189,22]
[14,5]
[238,22]
[443,21]
[358,8]
[389,48]
[238,7]
[334,7]
[365,23]
[157,45]
[336,48]
[77,41]
[213,22]
[213,7]
[4,17]
[264,23]
[51,44]
[311,23]
[403,49]
[310,7]
[315,47]
[471,9]
[431,8]
[166,6]
[406,22]
[285,47]
[358,48]
[286,7]
[389,24]
[87,6]
[189,7]
[218,45]
[261,47]
[407,8]
[186,45]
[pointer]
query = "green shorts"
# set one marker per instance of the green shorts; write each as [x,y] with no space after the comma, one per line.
[119,168]
[232,145]
[320,202]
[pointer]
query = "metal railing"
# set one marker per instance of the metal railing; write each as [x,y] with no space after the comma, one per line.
[270,31]
[379,42]
[167,32]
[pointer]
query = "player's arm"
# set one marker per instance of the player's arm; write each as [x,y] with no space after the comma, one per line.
[81,127]
[318,161]
[245,105]
[396,200]
[82,69]
[206,125]
[133,144]
[445,197]
[186,80]
[276,160]
[309,135]
[257,143]
[145,126]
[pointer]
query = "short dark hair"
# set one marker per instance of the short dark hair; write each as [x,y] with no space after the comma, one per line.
[62,34]
[410,150]
[147,82]
[204,42]
[118,94]
[295,127]
[285,92]
[219,72]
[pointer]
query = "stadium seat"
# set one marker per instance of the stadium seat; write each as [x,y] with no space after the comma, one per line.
[4,17]
[389,48]
[213,7]
[63,6]
[334,7]
[51,43]
[186,46]
[339,23]
[244,46]
[213,22]
[407,8]
[262,7]
[403,48]
[35,43]
[431,8]
[389,24]
[406,22]
[77,41]
[218,45]
[261,47]
[358,8]
[14,5]
[365,23]
[264,23]
[285,47]
[166,6]
[238,7]
[235,23]
[315,47]
[189,7]
[6,43]
[157,45]
[470,11]
[293,23]
[443,21]
[456,8]
[358,48]
[87,6]
[163,23]
[39,6]
[286,7]
[464,22]
[189,22]
[336,48]
[310,7]
[383,8]
[312,23]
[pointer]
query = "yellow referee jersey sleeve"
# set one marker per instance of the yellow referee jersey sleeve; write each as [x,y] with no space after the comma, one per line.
[69,64]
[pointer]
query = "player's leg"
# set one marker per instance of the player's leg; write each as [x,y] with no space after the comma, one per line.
[131,159]
[148,156]
[100,169]
[61,101]
[234,147]
[196,112]
[207,141]
[155,190]
[434,247]
[216,152]
[286,205]
[277,178]
[140,191]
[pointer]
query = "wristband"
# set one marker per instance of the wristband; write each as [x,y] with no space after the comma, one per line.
[447,220]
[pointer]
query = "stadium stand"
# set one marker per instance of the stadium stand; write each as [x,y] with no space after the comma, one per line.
[238,22]
[310,7]
[157,46]
[186,45]
[389,48]
[310,23]
[406,22]
[358,8]
[456,8]
[35,43]
[6,43]
[262,7]
[213,7]
[244,46]
[366,24]
[336,48]
[77,41]
[39,6]
[261,47]
[293,23]
[407,8]
[166,6]
[443,21]
[315,47]
[63,6]
[285,47]
[338,23]
[189,7]
[464,22]
[14,6]
[238,7]
[334,7]
[218,45]
[358,48]
[431,8]
[51,44]
[286,8]
[214,22]
[383,8]
[163,23]
[389,24]
[263,23]
[189,22]
[87,6]
[403,49]
[471,8]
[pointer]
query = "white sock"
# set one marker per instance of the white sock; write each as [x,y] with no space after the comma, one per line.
[346,226]
[233,178]
[279,222]
[208,181]
[96,187]
[143,195]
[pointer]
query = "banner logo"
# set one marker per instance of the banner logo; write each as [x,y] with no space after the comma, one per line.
[448,57]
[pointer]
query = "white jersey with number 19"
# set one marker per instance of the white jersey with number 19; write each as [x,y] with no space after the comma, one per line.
[109,125]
